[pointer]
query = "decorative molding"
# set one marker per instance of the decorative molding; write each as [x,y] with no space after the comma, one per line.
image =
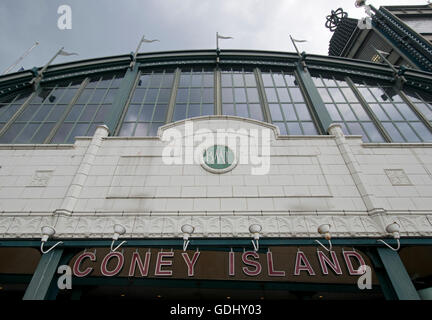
[212,226]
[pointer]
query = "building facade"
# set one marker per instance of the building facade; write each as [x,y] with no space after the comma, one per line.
[404,32]
[216,174]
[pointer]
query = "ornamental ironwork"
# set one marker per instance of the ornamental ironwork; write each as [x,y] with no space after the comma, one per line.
[334,19]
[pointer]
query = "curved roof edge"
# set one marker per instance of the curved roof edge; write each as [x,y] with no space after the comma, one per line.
[255,57]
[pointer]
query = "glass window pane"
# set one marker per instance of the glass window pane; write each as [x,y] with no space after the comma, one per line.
[67,96]
[27,133]
[303,112]
[271,95]
[151,95]
[109,98]
[160,113]
[324,95]
[391,111]
[422,131]
[195,95]
[240,95]
[336,95]
[57,113]
[250,80]
[132,113]
[349,95]
[194,110]
[127,130]
[207,95]
[196,80]
[294,128]
[267,80]
[238,80]
[296,94]
[62,133]
[407,112]
[167,80]
[164,96]
[275,112]
[182,95]
[309,128]
[282,128]
[42,133]
[346,112]
[154,129]
[242,110]
[79,131]
[425,110]
[228,109]
[208,80]
[283,95]
[8,112]
[372,132]
[138,95]
[12,132]
[88,113]
[103,113]
[256,112]
[289,112]
[356,129]
[226,80]
[279,80]
[179,112]
[141,130]
[146,113]
[367,95]
[379,112]
[227,95]
[207,109]
[252,94]
[334,114]
[97,96]
[360,112]
[407,132]
[28,113]
[42,113]
[393,132]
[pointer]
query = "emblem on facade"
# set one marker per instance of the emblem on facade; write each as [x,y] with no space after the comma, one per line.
[398,177]
[41,178]
[218,159]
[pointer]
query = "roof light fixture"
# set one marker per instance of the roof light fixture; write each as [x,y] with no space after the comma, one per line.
[393,229]
[324,229]
[187,230]
[255,229]
[118,231]
[47,232]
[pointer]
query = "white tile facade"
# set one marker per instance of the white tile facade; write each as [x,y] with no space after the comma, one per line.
[85,188]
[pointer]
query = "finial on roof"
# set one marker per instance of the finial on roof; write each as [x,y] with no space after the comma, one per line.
[334,19]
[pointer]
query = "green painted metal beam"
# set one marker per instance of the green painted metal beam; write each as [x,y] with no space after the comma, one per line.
[41,281]
[398,275]
[318,107]
[121,98]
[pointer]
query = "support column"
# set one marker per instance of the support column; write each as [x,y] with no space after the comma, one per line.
[83,171]
[399,278]
[122,97]
[318,107]
[355,170]
[38,288]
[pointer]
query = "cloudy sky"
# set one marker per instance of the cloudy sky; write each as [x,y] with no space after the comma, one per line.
[111,27]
